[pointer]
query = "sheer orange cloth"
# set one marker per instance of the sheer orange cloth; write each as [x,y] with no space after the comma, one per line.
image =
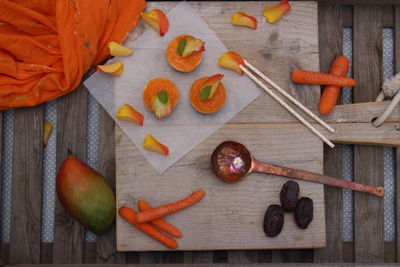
[46,46]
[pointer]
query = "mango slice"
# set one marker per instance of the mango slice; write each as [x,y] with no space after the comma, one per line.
[274,13]
[158,20]
[118,50]
[192,45]
[150,143]
[231,60]
[47,128]
[210,87]
[128,113]
[116,68]
[242,19]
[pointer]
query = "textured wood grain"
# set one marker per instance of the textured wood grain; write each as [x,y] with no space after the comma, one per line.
[257,190]
[26,185]
[330,46]
[368,160]
[71,134]
[106,250]
[228,208]
[397,68]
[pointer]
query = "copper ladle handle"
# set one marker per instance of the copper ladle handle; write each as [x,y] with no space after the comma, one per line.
[262,167]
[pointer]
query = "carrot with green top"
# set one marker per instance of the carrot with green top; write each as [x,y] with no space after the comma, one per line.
[129,215]
[155,213]
[162,224]
[339,67]
[312,77]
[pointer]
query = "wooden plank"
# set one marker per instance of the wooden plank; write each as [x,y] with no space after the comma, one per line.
[198,257]
[397,68]
[46,253]
[330,46]
[348,252]
[4,255]
[390,252]
[89,252]
[293,46]
[358,2]
[71,134]
[368,160]
[106,251]
[26,185]
[258,190]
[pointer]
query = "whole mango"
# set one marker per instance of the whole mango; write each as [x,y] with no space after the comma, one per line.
[85,195]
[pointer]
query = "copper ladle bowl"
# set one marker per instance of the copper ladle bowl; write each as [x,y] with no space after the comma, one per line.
[232,161]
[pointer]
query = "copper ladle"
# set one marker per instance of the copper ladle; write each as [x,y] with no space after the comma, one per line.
[231,162]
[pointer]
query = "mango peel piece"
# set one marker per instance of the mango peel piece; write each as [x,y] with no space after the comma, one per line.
[158,20]
[274,13]
[242,19]
[211,84]
[116,68]
[150,143]
[231,60]
[161,105]
[118,50]
[128,113]
[193,45]
[47,128]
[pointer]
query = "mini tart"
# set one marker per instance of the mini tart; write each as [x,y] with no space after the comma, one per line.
[157,85]
[184,64]
[207,106]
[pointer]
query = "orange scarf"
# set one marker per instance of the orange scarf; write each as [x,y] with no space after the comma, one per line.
[46,46]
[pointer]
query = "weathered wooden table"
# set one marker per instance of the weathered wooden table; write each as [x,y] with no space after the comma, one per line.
[367,21]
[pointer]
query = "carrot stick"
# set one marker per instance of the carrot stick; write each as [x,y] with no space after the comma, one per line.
[339,67]
[129,215]
[160,223]
[155,213]
[311,77]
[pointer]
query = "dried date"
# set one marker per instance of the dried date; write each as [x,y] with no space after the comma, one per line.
[304,212]
[289,195]
[273,220]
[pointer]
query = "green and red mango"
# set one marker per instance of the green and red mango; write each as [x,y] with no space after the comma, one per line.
[85,195]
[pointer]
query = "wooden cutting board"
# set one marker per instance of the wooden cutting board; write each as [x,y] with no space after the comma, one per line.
[231,215]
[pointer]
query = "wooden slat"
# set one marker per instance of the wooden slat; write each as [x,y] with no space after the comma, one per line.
[358,2]
[330,47]
[220,256]
[26,185]
[4,249]
[46,253]
[106,250]
[397,67]
[348,252]
[198,257]
[368,160]
[89,252]
[71,134]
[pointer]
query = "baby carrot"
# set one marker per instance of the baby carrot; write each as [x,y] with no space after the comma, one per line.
[311,77]
[339,67]
[155,213]
[129,215]
[160,223]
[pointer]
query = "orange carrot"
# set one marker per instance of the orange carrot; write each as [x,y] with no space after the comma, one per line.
[311,77]
[155,213]
[160,223]
[129,215]
[339,67]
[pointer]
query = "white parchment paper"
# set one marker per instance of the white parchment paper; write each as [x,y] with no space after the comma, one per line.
[185,128]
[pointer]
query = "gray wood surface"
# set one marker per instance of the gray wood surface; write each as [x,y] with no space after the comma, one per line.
[26,185]
[220,218]
[106,250]
[71,134]
[397,69]
[330,46]
[368,160]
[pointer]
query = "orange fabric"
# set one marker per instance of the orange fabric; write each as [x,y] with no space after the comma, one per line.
[46,46]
